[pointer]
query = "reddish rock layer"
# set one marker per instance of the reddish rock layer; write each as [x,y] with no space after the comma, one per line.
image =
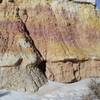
[20,61]
[66,33]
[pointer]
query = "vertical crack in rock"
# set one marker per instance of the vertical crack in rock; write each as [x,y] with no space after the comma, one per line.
[76,72]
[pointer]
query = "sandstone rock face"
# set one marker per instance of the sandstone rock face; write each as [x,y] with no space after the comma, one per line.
[66,33]
[20,61]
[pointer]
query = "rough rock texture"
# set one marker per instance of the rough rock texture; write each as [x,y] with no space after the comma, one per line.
[66,33]
[20,61]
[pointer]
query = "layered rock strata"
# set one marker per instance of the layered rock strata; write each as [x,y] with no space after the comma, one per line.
[20,61]
[66,33]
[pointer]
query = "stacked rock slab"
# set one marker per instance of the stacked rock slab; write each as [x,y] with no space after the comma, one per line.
[20,61]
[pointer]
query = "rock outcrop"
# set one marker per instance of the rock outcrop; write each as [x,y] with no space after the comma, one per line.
[20,61]
[66,33]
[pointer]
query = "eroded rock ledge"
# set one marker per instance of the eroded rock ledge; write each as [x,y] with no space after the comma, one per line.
[69,71]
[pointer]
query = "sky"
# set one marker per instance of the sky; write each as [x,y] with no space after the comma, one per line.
[98,4]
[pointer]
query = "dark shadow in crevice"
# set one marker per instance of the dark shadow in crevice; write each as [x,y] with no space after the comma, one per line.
[73,81]
[42,67]
[30,39]
[42,64]
[71,60]
[1,1]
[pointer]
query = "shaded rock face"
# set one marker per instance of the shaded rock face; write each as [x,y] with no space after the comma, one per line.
[20,61]
[66,33]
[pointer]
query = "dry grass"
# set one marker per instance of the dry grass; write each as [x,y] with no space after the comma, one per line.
[94,87]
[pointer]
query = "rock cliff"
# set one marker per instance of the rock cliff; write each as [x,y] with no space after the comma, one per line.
[66,33]
[20,61]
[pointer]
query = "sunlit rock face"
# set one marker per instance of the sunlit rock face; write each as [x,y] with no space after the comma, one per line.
[20,61]
[66,33]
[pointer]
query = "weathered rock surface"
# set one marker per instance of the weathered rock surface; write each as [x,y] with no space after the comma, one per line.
[66,33]
[20,61]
